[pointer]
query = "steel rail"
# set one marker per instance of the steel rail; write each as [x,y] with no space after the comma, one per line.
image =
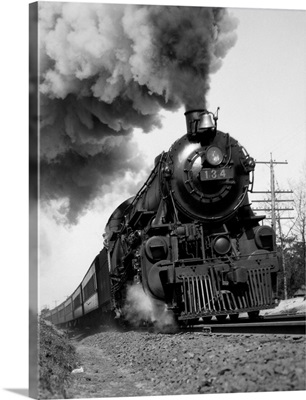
[285,317]
[263,327]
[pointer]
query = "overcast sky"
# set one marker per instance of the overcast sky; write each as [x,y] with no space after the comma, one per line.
[260,90]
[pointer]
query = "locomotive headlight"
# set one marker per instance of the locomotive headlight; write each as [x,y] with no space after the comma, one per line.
[214,155]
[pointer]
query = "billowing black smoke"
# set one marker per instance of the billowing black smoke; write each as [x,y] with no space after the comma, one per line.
[108,69]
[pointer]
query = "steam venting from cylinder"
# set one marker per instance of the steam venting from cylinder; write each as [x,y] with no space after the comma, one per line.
[139,308]
[108,69]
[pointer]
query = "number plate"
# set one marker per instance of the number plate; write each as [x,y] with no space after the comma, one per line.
[211,174]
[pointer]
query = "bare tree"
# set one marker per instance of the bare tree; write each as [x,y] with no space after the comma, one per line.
[299,226]
[293,244]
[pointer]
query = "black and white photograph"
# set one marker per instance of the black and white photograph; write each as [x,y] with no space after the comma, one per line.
[165,180]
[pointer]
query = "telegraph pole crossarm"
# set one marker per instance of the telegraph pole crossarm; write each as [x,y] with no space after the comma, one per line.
[265,201]
[281,218]
[275,191]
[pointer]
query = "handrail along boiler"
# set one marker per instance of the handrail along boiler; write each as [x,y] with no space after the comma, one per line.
[189,236]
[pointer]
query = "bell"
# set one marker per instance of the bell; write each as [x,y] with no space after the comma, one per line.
[206,122]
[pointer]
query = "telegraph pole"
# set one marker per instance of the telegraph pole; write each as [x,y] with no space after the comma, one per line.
[272,183]
[273,211]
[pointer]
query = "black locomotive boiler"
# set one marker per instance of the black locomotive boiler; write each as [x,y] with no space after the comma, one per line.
[189,236]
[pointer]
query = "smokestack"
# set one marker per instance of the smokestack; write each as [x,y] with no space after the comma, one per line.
[108,69]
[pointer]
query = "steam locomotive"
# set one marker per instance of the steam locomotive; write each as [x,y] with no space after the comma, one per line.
[189,237]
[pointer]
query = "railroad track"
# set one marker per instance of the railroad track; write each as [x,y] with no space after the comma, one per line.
[277,324]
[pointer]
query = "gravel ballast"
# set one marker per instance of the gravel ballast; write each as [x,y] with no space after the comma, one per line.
[120,363]
[135,363]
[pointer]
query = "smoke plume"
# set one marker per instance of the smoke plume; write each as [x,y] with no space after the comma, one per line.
[108,69]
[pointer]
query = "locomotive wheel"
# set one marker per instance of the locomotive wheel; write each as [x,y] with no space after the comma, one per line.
[253,314]
[221,318]
[234,317]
